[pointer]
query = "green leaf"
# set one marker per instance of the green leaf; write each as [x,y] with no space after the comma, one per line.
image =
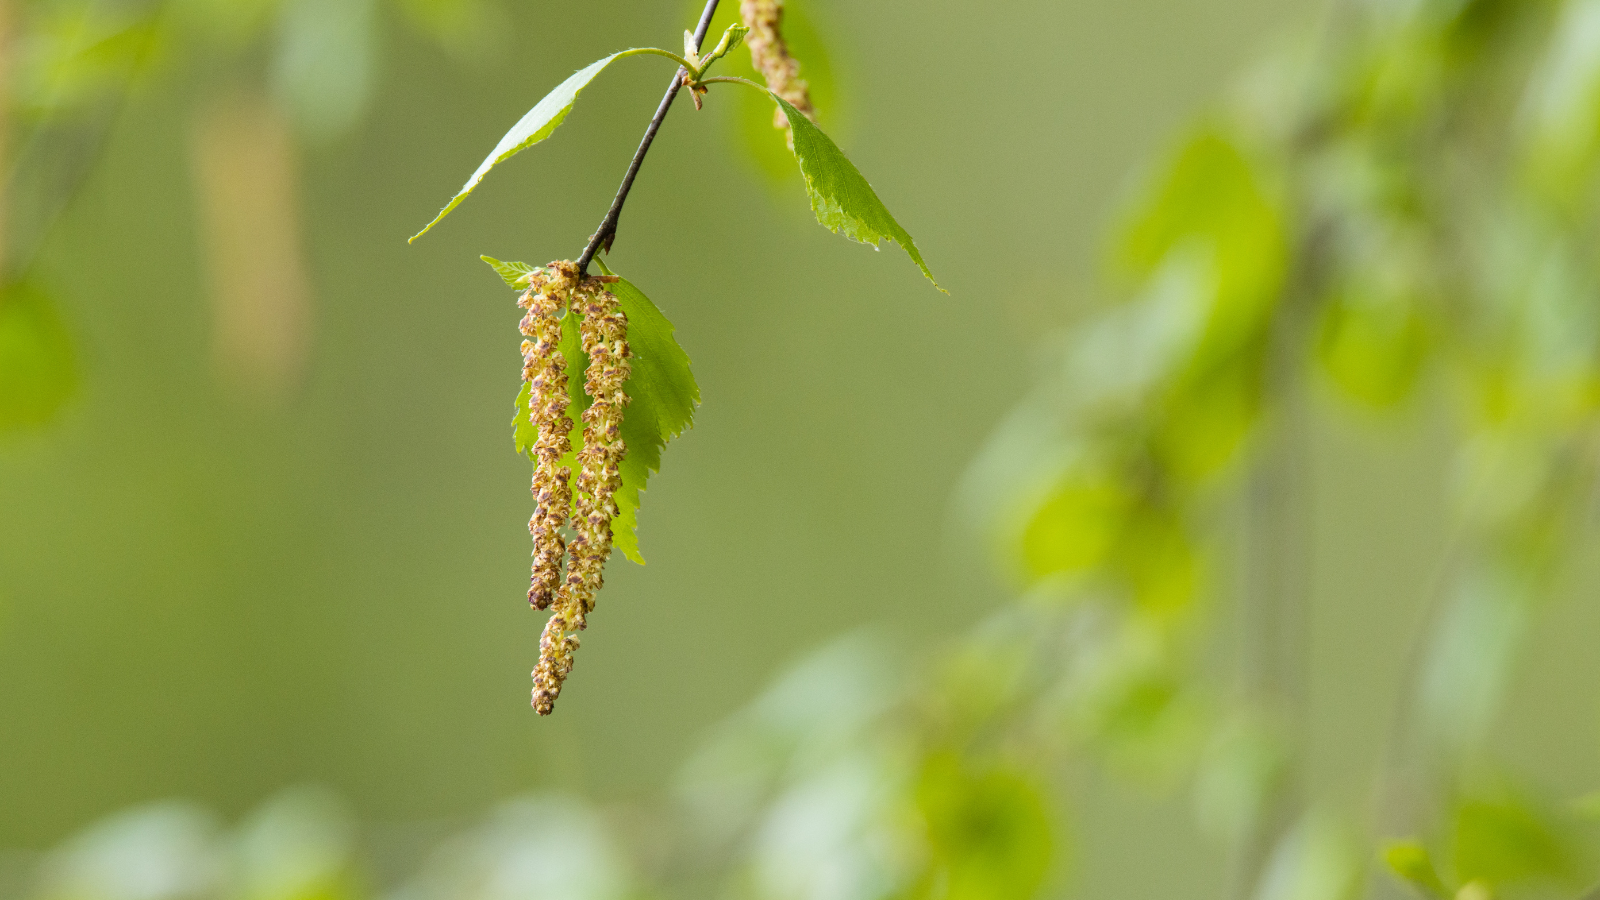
[1315,860]
[1410,861]
[1508,840]
[515,274]
[522,430]
[1372,351]
[1077,525]
[1214,212]
[37,368]
[545,117]
[663,395]
[989,830]
[842,199]
[731,39]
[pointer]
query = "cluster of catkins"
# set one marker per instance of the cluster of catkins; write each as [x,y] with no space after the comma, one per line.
[555,289]
[770,54]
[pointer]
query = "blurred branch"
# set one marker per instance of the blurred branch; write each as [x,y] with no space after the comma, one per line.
[1277,594]
[76,156]
[603,236]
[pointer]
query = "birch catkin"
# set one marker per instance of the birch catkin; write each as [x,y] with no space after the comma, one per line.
[770,54]
[604,330]
[545,370]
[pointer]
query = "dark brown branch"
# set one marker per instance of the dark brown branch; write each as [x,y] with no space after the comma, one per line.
[601,239]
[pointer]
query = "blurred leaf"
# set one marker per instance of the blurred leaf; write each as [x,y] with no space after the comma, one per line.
[1149,725]
[297,846]
[515,274]
[538,124]
[1372,350]
[73,55]
[837,832]
[662,397]
[1122,361]
[989,830]
[323,72]
[1160,562]
[1207,415]
[1400,73]
[1507,840]
[1092,520]
[1076,526]
[1315,860]
[828,706]
[1471,654]
[536,848]
[1411,861]
[840,196]
[1210,237]
[1126,695]
[38,372]
[1238,773]
[1561,115]
[164,851]
[1213,202]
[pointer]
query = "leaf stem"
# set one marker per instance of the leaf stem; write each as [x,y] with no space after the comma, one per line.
[657,51]
[734,79]
[607,231]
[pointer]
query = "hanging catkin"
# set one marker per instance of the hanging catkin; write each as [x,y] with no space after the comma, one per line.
[545,370]
[770,54]
[604,330]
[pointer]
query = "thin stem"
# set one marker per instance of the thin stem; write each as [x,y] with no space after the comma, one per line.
[608,226]
[733,79]
[657,51]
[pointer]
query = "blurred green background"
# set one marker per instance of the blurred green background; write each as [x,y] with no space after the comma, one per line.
[277,535]
[210,598]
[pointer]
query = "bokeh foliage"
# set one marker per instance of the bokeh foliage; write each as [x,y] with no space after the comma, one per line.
[1393,216]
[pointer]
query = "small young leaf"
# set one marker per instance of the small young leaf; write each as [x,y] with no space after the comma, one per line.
[662,398]
[731,39]
[534,127]
[840,196]
[515,274]
[691,47]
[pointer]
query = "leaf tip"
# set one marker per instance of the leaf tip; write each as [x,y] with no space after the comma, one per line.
[425,229]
